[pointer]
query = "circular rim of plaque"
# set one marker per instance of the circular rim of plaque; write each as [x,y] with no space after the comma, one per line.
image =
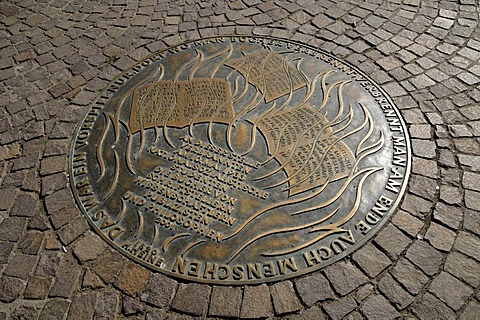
[238,160]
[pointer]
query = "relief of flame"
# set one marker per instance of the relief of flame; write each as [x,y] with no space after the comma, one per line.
[270,94]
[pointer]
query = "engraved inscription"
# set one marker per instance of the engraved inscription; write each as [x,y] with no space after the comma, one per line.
[239,160]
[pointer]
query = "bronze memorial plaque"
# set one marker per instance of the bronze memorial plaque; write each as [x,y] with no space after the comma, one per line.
[239,160]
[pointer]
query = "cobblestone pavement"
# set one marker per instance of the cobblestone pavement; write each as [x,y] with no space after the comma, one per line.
[56,56]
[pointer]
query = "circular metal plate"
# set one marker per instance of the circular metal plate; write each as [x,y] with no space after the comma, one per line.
[239,160]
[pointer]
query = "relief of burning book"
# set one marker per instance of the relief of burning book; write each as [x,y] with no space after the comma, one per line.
[269,72]
[177,103]
[302,141]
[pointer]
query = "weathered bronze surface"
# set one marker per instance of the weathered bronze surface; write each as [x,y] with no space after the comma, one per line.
[239,160]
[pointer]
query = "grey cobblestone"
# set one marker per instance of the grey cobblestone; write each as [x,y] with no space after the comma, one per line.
[88,247]
[337,309]
[440,237]
[412,278]
[55,309]
[81,306]
[313,288]
[449,215]
[472,310]
[192,299]
[371,260]
[425,257]
[394,291]
[72,230]
[65,283]
[37,287]
[472,221]
[472,200]
[468,244]
[377,307]
[11,228]
[344,277]
[25,312]
[159,290]
[416,206]
[107,304]
[431,307]
[20,266]
[132,279]
[10,288]
[108,265]
[48,264]
[392,240]
[442,286]
[284,298]
[225,301]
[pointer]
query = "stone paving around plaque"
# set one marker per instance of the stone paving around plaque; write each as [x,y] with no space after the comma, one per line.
[56,56]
